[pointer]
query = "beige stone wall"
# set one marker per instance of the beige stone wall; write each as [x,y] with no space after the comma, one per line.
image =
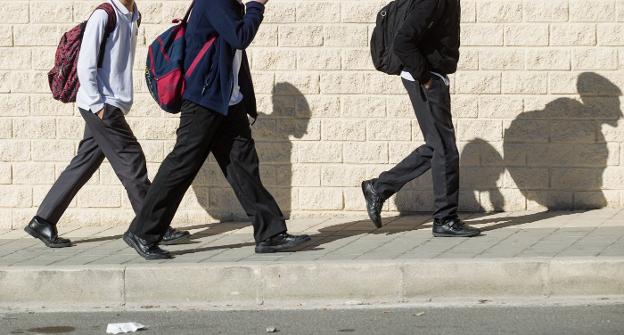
[536,107]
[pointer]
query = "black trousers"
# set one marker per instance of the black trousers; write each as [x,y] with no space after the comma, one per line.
[229,138]
[110,137]
[439,153]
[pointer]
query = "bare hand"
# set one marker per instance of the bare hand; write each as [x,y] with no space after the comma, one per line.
[100,114]
[259,1]
[428,84]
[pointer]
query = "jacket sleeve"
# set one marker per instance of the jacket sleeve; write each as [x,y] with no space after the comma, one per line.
[87,67]
[224,16]
[408,38]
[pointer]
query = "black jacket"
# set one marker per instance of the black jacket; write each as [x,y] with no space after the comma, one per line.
[423,48]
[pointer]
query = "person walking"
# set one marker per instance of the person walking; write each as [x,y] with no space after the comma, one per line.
[428,48]
[218,98]
[104,96]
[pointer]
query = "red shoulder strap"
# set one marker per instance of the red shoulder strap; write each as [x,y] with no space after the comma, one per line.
[111,24]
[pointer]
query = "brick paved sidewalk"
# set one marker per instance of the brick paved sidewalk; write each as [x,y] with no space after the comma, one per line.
[598,233]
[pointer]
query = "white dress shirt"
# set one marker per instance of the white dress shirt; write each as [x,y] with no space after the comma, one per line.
[112,83]
[237,96]
[408,76]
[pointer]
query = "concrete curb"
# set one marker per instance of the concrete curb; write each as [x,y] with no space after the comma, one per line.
[251,285]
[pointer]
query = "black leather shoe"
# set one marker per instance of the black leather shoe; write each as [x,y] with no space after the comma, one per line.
[148,251]
[374,202]
[281,242]
[47,233]
[174,236]
[453,227]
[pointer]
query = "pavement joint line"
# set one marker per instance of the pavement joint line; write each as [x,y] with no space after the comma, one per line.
[536,242]
[575,241]
[514,232]
[621,239]
[397,236]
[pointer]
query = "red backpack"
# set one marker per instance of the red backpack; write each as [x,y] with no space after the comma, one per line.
[63,78]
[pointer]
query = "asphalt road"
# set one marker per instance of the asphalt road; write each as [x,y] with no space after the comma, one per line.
[603,320]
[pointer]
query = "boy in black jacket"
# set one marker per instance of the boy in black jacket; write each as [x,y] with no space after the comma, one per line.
[218,98]
[429,52]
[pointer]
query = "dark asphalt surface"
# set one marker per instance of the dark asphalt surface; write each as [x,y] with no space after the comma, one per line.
[603,320]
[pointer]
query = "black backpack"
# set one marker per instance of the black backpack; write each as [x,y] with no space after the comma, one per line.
[389,20]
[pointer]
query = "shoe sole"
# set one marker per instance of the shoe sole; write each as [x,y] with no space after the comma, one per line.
[178,240]
[285,247]
[375,223]
[455,235]
[36,235]
[132,245]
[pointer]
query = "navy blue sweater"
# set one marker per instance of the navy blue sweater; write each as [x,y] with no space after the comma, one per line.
[210,85]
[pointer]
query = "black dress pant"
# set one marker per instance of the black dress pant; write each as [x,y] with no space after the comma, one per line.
[229,138]
[109,137]
[439,153]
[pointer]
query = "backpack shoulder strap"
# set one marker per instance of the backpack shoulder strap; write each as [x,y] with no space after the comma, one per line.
[439,12]
[111,24]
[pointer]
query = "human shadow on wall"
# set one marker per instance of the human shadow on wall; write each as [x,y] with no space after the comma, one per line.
[557,156]
[284,118]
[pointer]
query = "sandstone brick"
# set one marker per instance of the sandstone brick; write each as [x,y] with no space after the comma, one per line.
[365,152]
[379,83]
[343,175]
[51,12]
[43,58]
[27,128]
[15,196]
[592,10]
[595,59]
[526,34]
[499,11]
[417,134]
[70,127]
[301,35]
[579,179]
[6,175]
[319,59]
[548,59]
[43,105]
[14,12]
[546,11]
[342,83]
[299,175]
[573,34]
[6,128]
[356,59]
[6,36]
[363,107]
[388,130]
[584,200]
[92,196]
[318,106]
[320,198]
[264,82]
[343,130]
[318,12]
[274,59]
[152,12]
[353,199]
[527,178]
[481,34]
[464,106]
[37,34]
[488,130]
[153,129]
[573,131]
[14,150]
[267,36]
[15,59]
[525,83]
[478,82]
[401,107]
[468,60]
[468,11]
[29,82]
[319,152]
[397,151]
[279,12]
[53,150]
[304,82]
[33,173]
[500,107]
[360,12]
[611,34]
[275,152]
[620,10]
[502,59]
[346,36]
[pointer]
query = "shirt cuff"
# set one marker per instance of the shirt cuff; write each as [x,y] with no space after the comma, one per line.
[256,5]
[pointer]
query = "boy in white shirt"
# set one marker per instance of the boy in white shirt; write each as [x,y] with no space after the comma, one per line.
[105,95]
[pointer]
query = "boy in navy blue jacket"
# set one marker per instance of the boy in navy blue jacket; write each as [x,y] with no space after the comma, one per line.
[218,97]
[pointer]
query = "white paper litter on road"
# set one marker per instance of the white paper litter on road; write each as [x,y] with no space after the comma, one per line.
[127,327]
